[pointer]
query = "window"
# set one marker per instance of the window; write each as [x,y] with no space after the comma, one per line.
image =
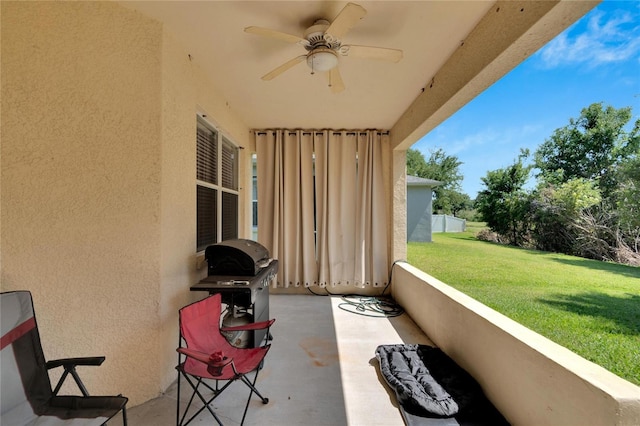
[216,186]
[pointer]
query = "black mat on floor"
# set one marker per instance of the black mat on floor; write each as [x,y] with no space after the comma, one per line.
[433,390]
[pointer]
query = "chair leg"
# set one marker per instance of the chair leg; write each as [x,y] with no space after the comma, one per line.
[124,416]
[253,389]
[216,392]
[180,421]
[178,402]
[206,404]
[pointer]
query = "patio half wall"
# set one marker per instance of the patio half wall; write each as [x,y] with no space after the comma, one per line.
[529,378]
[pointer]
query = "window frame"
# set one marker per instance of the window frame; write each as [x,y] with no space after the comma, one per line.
[227,195]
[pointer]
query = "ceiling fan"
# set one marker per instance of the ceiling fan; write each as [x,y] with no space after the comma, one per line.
[323,42]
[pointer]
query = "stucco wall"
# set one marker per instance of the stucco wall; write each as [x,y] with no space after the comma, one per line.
[530,379]
[185,92]
[398,225]
[98,184]
[81,176]
[178,209]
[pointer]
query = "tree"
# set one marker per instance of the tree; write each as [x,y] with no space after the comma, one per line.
[459,202]
[557,211]
[627,198]
[589,147]
[504,204]
[444,168]
[416,163]
[594,153]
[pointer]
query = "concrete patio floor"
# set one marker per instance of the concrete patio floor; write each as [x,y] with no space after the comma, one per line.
[321,370]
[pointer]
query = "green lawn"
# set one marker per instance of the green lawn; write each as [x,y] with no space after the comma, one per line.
[590,307]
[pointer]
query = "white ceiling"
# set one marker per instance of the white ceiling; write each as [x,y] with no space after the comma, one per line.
[377,93]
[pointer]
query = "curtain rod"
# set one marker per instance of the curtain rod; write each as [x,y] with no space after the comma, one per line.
[321,132]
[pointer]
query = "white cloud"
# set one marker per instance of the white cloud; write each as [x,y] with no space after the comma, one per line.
[479,139]
[489,148]
[607,38]
[508,137]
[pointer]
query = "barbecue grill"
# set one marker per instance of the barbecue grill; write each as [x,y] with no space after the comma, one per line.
[240,270]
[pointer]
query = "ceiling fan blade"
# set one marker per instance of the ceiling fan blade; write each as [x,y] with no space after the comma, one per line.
[266,32]
[369,52]
[282,68]
[335,80]
[346,19]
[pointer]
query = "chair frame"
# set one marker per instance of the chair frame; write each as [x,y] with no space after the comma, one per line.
[69,364]
[196,381]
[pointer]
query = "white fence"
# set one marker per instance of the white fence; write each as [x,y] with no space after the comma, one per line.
[446,223]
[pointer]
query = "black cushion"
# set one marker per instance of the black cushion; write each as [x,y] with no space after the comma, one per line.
[432,389]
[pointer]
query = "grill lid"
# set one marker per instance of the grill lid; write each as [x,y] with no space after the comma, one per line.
[236,257]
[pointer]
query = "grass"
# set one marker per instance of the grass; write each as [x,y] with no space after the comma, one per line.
[590,307]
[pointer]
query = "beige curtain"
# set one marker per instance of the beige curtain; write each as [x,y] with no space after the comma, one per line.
[351,220]
[350,244]
[285,203]
[372,235]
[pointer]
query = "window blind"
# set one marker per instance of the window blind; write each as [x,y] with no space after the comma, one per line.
[207,155]
[207,217]
[229,216]
[229,169]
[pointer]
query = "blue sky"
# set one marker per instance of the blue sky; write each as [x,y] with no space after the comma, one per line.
[595,60]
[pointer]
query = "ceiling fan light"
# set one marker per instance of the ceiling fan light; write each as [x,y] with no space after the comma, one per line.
[322,59]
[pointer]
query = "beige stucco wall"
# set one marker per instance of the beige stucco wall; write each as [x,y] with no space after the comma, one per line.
[399,205]
[98,184]
[530,379]
[178,192]
[185,92]
[80,175]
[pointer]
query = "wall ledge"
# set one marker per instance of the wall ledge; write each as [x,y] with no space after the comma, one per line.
[529,378]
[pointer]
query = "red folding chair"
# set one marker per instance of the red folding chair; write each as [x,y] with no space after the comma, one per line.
[26,397]
[207,355]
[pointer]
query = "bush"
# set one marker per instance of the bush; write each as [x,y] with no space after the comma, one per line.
[469,215]
[490,236]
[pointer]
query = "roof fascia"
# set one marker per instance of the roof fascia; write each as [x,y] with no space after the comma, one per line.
[509,33]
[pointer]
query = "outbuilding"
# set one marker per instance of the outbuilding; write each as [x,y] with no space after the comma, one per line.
[420,208]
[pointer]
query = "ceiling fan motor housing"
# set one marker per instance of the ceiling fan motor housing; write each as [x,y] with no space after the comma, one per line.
[317,37]
[315,33]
